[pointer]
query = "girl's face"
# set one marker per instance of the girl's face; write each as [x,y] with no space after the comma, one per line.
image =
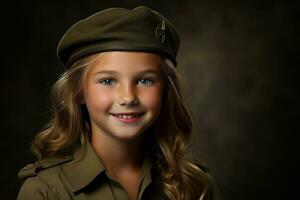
[123,93]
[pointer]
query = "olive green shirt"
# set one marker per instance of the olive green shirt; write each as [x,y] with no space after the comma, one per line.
[83,177]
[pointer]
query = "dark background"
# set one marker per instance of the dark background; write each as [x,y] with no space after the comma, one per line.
[239,65]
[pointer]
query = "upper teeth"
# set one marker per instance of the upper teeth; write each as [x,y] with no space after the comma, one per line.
[126,116]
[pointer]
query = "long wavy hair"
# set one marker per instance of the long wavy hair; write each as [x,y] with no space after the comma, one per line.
[181,177]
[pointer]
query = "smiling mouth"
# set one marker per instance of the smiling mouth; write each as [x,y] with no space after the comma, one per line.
[127,117]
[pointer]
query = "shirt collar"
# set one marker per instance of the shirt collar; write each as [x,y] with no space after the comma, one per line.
[86,166]
[146,176]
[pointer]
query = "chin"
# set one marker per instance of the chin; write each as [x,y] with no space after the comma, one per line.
[128,138]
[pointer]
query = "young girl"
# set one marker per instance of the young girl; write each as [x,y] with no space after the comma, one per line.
[120,127]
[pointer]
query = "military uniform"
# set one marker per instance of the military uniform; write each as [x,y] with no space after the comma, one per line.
[83,177]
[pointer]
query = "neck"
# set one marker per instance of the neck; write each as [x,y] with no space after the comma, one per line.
[118,156]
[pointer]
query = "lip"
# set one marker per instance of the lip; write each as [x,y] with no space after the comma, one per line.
[128,113]
[135,119]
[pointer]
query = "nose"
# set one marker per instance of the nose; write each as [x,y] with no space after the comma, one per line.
[128,95]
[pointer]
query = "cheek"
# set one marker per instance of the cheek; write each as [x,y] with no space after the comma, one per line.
[97,100]
[152,98]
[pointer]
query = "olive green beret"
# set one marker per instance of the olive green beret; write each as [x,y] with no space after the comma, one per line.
[119,29]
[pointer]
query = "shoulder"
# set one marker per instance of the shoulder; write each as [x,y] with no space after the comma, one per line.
[45,165]
[39,178]
[35,188]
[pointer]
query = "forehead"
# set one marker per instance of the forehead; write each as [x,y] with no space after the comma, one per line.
[124,61]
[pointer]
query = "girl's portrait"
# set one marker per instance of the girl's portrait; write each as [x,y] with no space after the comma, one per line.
[148,100]
[120,125]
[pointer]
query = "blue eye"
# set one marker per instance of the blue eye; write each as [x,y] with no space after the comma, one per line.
[145,82]
[107,82]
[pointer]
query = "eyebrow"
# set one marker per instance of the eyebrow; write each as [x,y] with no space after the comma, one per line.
[111,72]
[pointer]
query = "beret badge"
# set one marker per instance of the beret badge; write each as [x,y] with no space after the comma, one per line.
[161,32]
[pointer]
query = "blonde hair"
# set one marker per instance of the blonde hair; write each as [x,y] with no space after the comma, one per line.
[167,138]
